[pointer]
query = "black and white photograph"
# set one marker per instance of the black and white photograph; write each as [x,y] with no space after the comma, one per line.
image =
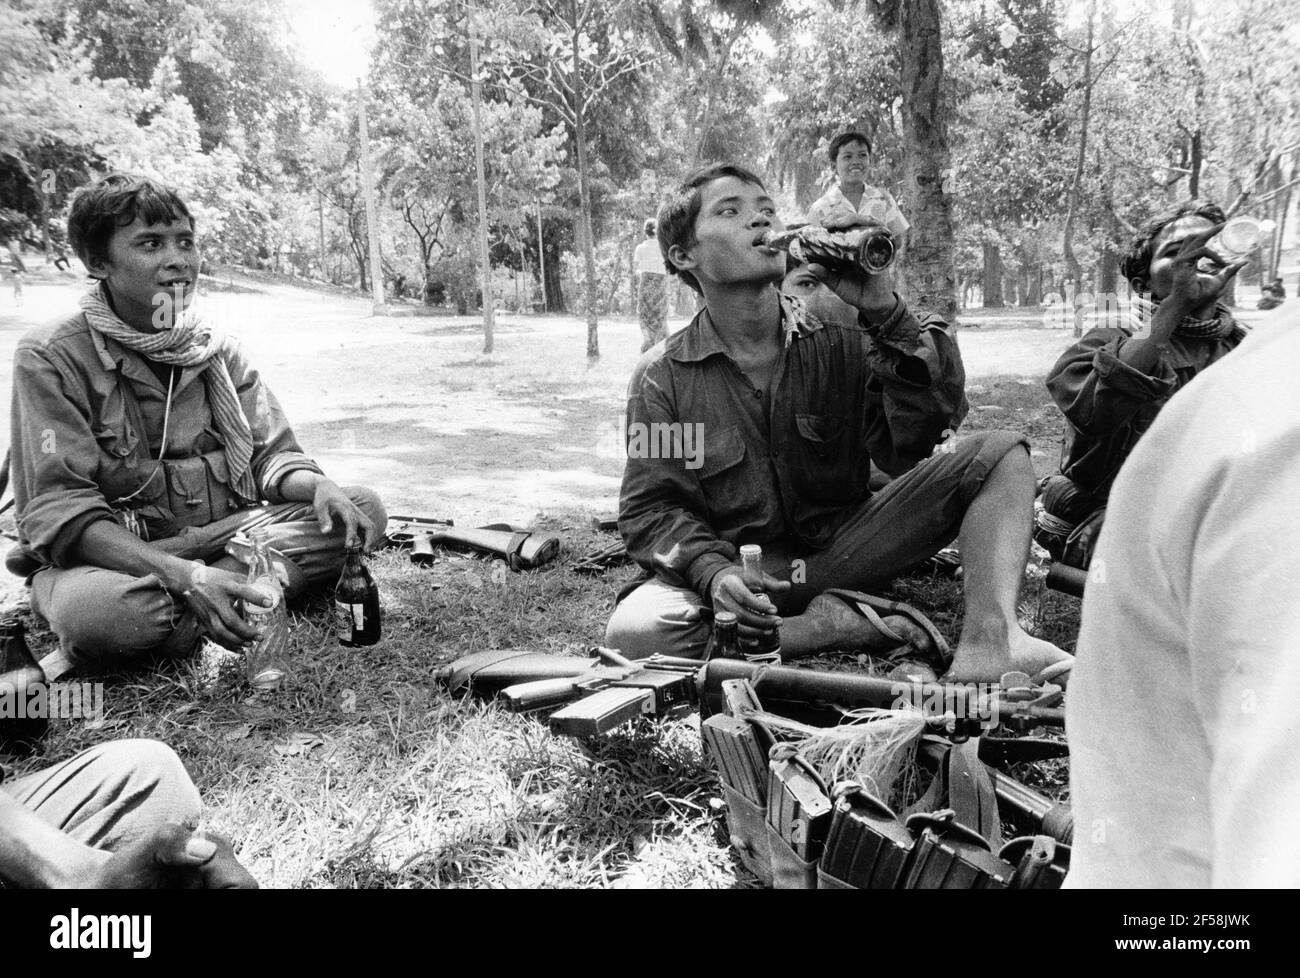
[628,445]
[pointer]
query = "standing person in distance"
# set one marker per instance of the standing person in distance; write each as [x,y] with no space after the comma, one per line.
[651,289]
[851,200]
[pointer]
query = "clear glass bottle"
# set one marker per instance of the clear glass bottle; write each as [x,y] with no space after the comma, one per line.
[356,603]
[751,565]
[267,661]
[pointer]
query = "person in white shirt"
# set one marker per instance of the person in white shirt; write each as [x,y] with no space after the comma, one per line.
[1182,706]
[651,291]
[852,200]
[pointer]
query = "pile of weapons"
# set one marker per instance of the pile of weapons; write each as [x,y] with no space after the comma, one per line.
[790,828]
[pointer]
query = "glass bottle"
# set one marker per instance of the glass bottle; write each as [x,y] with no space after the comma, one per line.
[268,658]
[726,637]
[751,566]
[356,603]
[19,672]
[868,249]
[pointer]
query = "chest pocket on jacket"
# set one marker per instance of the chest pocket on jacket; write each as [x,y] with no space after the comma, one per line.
[827,467]
[116,430]
[730,489]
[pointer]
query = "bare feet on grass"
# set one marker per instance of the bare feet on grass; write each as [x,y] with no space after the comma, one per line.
[984,658]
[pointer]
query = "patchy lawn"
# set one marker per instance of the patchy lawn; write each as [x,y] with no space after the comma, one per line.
[364,773]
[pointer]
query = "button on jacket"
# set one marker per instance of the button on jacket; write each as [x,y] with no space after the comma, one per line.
[87,424]
[843,397]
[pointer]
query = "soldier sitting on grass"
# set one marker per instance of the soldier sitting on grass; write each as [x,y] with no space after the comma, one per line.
[792,413]
[143,442]
[1111,384]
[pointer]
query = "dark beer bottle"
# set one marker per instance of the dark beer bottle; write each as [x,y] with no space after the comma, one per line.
[751,565]
[19,673]
[726,637]
[356,603]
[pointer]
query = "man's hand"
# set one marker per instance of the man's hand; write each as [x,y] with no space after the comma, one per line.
[212,595]
[1192,287]
[331,502]
[172,858]
[755,613]
[872,294]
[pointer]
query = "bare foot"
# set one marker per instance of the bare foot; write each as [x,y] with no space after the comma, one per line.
[829,623]
[977,662]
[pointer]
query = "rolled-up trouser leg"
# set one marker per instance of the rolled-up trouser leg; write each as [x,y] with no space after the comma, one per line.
[105,619]
[112,795]
[658,617]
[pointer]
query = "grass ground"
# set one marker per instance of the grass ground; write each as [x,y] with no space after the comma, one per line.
[364,773]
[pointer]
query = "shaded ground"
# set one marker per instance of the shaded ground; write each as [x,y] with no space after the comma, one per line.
[364,774]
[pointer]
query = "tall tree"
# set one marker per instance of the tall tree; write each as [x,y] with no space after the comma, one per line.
[917,26]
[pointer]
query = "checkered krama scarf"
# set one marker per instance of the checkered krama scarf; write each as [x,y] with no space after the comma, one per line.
[190,342]
[1221,327]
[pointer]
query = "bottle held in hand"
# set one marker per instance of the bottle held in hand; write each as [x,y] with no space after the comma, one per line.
[751,566]
[356,603]
[867,249]
[726,637]
[267,661]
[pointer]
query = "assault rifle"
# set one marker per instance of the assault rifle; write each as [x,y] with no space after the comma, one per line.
[591,696]
[659,685]
[521,548]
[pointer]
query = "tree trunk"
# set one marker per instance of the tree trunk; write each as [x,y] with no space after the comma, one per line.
[554,284]
[932,271]
[1067,243]
[584,196]
[1198,156]
[993,296]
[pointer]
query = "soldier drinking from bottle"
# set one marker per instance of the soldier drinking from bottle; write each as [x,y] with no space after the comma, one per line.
[793,413]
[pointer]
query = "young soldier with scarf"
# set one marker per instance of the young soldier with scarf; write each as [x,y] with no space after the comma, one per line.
[143,442]
[1112,383]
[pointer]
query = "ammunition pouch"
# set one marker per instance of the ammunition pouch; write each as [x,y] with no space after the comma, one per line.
[949,856]
[747,825]
[198,489]
[789,872]
[1041,862]
[860,843]
[180,493]
[798,816]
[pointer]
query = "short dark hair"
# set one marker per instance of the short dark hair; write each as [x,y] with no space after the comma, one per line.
[1136,263]
[100,208]
[842,140]
[649,227]
[677,216]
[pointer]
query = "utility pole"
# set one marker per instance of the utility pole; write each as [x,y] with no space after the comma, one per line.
[485,257]
[372,215]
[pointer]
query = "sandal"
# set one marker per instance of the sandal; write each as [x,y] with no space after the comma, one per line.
[874,609]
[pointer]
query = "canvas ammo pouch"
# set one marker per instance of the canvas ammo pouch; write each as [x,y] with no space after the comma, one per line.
[198,489]
[798,817]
